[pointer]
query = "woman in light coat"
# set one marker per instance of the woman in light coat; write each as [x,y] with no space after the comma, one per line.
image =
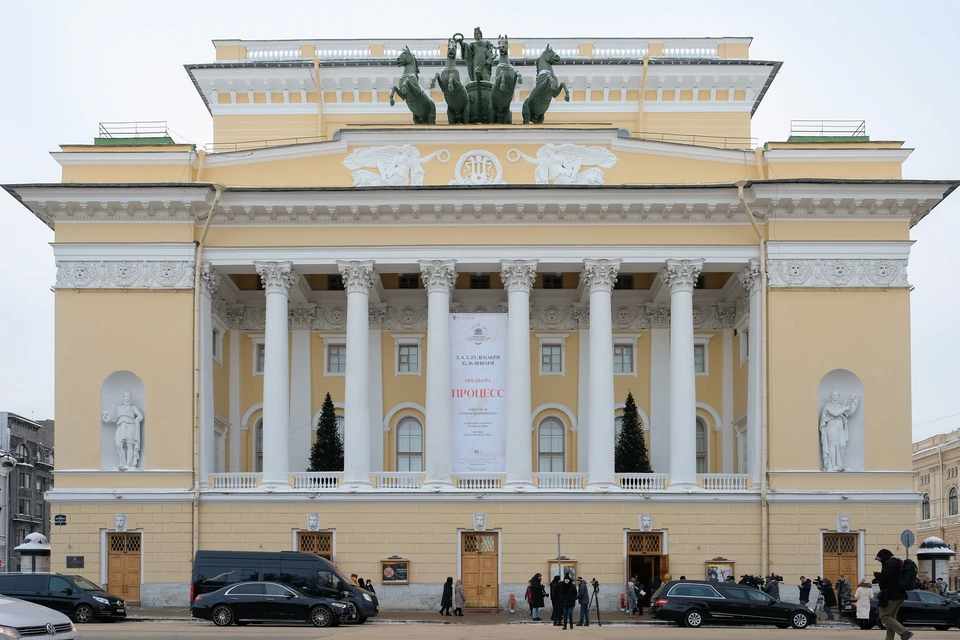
[863,595]
[460,598]
[631,598]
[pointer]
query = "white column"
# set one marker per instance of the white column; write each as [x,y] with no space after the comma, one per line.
[600,276]
[439,277]
[301,402]
[357,280]
[726,412]
[660,397]
[209,281]
[518,277]
[278,278]
[235,415]
[375,392]
[680,276]
[750,278]
[582,315]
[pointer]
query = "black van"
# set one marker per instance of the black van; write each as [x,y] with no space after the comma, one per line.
[311,574]
[73,596]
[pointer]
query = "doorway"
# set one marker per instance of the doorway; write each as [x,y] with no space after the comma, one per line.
[479,557]
[645,561]
[123,566]
[840,555]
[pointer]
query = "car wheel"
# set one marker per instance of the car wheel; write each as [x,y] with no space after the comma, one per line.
[321,617]
[800,621]
[942,627]
[361,619]
[693,619]
[865,624]
[222,615]
[83,614]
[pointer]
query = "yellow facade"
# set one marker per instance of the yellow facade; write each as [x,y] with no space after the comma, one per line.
[797,285]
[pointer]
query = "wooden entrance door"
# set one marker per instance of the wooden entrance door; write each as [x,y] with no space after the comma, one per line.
[319,543]
[840,555]
[478,562]
[123,566]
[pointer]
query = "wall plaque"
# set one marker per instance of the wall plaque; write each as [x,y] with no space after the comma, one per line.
[74,562]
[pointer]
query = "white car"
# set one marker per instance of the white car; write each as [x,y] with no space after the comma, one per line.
[19,619]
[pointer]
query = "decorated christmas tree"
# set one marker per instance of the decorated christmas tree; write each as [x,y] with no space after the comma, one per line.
[630,453]
[327,451]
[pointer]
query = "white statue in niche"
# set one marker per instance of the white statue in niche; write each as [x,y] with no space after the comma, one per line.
[834,430]
[128,421]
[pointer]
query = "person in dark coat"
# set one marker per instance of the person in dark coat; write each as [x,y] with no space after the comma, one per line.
[641,592]
[568,600]
[772,588]
[536,597]
[557,613]
[583,597]
[446,599]
[829,598]
[805,585]
[892,594]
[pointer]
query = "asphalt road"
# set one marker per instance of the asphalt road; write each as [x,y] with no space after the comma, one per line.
[414,631]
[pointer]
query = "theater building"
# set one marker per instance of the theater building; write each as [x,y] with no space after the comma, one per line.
[478,300]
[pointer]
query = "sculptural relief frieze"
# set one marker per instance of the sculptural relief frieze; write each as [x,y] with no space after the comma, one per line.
[835,273]
[563,163]
[124,274]
[397,166]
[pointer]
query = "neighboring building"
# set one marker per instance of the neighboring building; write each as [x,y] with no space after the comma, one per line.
[30,476]
[479,300]
[936,466]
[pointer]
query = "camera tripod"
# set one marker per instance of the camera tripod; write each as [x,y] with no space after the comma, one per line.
[595,601]
[818,607]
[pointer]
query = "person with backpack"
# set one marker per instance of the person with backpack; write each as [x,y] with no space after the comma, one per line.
[892,578]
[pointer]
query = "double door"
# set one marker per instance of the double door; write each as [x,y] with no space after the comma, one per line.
[478,562]
[123,566]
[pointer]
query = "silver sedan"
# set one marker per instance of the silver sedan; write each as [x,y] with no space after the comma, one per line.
[19,619]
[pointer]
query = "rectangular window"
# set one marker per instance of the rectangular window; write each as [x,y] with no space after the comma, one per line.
[699,363]
[480,281]
[24,478]
[337,358]
[335,283]
[553,281]
[550,359]
[261,352]
[408,281]
[24,507]
[39,512]
[21,537]
[217,345]
[622,358]
[41,485]
[624,281]
[408,358]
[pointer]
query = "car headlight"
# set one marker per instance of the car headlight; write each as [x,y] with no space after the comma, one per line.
[9,632]
[367,597]
[101,600]
[338,605]
[73,627]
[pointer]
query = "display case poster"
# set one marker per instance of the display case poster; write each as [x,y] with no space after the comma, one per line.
[394,571]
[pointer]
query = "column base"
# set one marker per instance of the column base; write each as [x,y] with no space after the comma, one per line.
[602,487]
[519,486]
[684,487]
[356,486]
[438,486]
[274,487]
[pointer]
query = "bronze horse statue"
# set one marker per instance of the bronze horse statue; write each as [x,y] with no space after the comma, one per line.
[547,88]
[421,106]
[505,81]
[458,105]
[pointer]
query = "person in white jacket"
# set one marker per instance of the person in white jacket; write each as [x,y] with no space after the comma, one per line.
[863,595]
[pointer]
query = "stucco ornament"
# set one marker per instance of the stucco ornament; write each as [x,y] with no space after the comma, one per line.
[358,275]
[127,438]
[438,275]
[396,166]
[120,521]
[313,522]
[562,163]
[600,275]
[843,523]
[646,522]
[478,168]
[681,275]
[518,275]
[834,431]
[480,522]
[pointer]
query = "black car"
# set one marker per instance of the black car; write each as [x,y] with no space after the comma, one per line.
[74,596]
[306,573]
[921,608]
[691,603]
[267,602]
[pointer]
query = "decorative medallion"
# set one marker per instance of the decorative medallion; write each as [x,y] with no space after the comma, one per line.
[479,522]
[120,522]
[646,522]
[478,168]
[313,522]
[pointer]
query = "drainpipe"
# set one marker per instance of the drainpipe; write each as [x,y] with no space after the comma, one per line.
[942,485]
[764,379]
[196,367]
[643,90]
[316,79]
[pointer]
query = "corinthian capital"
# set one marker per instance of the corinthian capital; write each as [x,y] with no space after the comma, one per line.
[209,279]
[750,276]
[277,277]
[681,275]
[357,275]
[439,276]
[600,275]
[518,275]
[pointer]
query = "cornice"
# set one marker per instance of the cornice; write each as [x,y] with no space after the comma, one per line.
[837,155]
[125,158]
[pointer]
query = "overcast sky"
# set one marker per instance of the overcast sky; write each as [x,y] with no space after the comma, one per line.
[66,66]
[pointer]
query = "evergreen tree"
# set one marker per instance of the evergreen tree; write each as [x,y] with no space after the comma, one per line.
[630,453]
[327,452]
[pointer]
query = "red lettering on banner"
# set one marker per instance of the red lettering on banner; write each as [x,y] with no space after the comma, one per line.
[477,393]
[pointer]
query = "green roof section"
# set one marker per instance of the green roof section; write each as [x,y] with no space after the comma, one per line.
[863,138]
[133,142]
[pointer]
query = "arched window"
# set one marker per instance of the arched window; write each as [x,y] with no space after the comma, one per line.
[409,445]
[925,508]
[953,502]
[340,422]
[617,428]
[258,446]
[23,453]
[701,447]
[550,446]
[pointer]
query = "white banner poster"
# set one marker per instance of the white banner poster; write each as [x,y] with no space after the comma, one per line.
[478,347]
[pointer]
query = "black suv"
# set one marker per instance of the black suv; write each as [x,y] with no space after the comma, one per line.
[73,596]
[690,603]
[921,608]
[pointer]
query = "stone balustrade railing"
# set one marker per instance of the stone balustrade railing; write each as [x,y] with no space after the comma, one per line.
[235,481]
[560,481]
[479,481]
[723,481]
[642,481]
[397,480]
[317,481]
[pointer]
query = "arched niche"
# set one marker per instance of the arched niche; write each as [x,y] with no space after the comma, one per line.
[112,393]
[847,407]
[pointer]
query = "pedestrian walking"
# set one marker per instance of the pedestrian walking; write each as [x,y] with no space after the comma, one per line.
[536,596]
[446,598]
[370,587]
[459,598]
[583,597]
[892,594]
[805,585]
[772,588]
[557,613]
[568,600]
[829,598]
[631,598]
[844,591]
[863,595]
